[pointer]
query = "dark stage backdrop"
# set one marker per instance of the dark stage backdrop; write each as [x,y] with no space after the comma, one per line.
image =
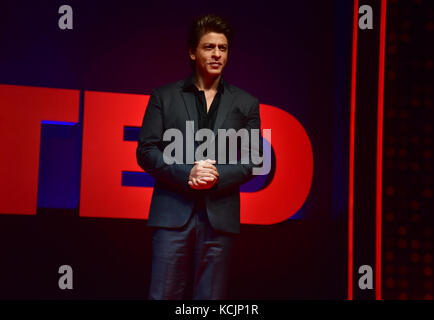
[295,56]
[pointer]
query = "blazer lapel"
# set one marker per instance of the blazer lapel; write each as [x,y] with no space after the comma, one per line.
[190,106]
[225,106]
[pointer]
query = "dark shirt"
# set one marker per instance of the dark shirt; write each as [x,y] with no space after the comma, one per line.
[206,119]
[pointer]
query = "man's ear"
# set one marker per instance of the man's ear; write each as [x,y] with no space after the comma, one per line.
[192,54]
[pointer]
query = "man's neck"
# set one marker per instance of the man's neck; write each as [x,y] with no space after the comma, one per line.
[207,83]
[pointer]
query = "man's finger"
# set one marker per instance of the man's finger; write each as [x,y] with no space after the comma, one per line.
[201,182]
[209,166]
[208,178]
[207,174]
[208,170]
[199,162]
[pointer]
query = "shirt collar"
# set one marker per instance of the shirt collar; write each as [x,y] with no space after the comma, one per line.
[190,86]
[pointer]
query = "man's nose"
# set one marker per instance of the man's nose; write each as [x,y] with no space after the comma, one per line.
[217,53]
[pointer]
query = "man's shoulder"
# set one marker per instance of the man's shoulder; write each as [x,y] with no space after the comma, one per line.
[170,88]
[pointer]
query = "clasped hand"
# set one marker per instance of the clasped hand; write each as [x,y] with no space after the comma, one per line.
[203,175]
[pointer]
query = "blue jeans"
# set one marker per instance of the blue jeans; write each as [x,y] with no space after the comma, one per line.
[191,262]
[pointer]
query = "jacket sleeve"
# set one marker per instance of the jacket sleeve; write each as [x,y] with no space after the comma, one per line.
[148,153]
[233,175]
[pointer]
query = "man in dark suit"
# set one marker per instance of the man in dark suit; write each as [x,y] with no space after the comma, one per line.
[195,208]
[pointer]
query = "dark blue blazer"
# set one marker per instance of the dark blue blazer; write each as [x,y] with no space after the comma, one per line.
[173,199]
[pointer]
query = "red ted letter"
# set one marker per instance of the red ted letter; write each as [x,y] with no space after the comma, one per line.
[22,110]
[290,186]
[106,155]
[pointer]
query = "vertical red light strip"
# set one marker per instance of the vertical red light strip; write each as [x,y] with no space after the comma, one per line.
[351,164]
[380,149]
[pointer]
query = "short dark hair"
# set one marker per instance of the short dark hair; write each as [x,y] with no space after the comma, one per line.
[207,23]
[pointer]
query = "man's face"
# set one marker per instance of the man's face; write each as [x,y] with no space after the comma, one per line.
[211,54]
